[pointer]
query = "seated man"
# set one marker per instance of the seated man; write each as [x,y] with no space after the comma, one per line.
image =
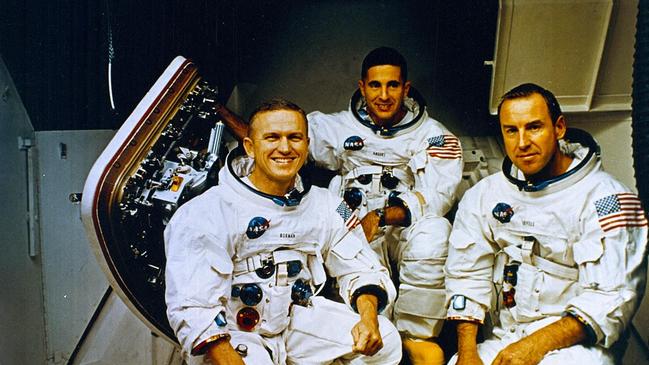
[244,258]
[400,168]
[553,243]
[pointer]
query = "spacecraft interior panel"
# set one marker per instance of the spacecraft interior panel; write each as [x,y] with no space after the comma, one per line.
[167,151]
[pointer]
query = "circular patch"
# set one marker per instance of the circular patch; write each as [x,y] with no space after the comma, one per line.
[353,143]
[503,212]
[257,227]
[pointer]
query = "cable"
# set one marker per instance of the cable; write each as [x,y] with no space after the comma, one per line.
[111,57]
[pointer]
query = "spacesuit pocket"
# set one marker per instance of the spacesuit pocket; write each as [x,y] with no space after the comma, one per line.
[529,282]
[586,255]
[223,265]
[588,251]
[347,249]
[277,300]
[460,240]
[326,320]
[418,161]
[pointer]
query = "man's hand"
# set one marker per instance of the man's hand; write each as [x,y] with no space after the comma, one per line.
[222,353]
[565,332]
[523,352]
[394,216]
[370,224]
[366,334]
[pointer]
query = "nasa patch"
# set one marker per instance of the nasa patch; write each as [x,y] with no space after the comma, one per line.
[503,212]
[353,143]
[257,227]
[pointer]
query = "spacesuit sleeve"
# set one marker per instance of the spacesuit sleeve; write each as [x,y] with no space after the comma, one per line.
[611,255]
[438,172]
[469,266]
[349,258]
[197,276]
[322,140]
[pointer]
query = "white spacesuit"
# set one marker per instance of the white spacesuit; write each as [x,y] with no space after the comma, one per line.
[417,164]
[246,263]
[572,245]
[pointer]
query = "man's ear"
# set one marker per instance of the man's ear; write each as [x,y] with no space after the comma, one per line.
[406,88]
[248,147]
[560,127]
[361,87]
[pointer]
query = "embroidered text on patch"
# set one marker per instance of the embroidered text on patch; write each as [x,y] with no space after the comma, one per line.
[444,146]
[620,210]
[350,217]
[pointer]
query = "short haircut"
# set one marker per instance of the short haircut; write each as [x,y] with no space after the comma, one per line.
[384,56]
[274,104]
[525,90]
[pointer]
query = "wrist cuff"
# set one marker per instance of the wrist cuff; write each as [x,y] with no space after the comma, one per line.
[377,291]
[465,319]
[202,347]
[591,337]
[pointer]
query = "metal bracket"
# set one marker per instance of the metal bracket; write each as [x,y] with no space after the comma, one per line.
[26,144]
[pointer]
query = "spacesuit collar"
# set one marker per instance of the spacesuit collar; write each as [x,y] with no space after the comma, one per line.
[239,165]
[576,143]
[414,103]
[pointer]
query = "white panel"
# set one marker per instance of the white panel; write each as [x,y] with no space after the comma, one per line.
[73,282]
[557,44]
[21,303]
[613,90]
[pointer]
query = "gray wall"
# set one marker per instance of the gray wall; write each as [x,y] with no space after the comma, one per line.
[311,53]
[73,282]
[21,301]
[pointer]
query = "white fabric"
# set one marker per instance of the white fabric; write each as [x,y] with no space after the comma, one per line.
[319,334]
[206,240]
[427,186]
[573,265]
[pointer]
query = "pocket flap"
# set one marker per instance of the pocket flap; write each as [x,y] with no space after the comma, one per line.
[348,248]
[588,251]
[221,264]
[418,161]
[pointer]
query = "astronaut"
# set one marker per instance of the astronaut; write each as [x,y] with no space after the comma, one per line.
[553,244]
[245,258]
[400,169]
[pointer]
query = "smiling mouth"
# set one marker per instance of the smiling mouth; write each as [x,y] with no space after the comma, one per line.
[283,160]
[384,107]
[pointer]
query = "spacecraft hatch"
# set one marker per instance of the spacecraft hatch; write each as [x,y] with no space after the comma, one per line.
[168,151]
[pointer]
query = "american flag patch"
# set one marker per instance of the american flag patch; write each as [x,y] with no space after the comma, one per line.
[620,210]
[444,146]
[350,217]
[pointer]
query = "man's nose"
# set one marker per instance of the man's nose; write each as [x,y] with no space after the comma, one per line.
[523,139]
[384,93]
[283,145]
